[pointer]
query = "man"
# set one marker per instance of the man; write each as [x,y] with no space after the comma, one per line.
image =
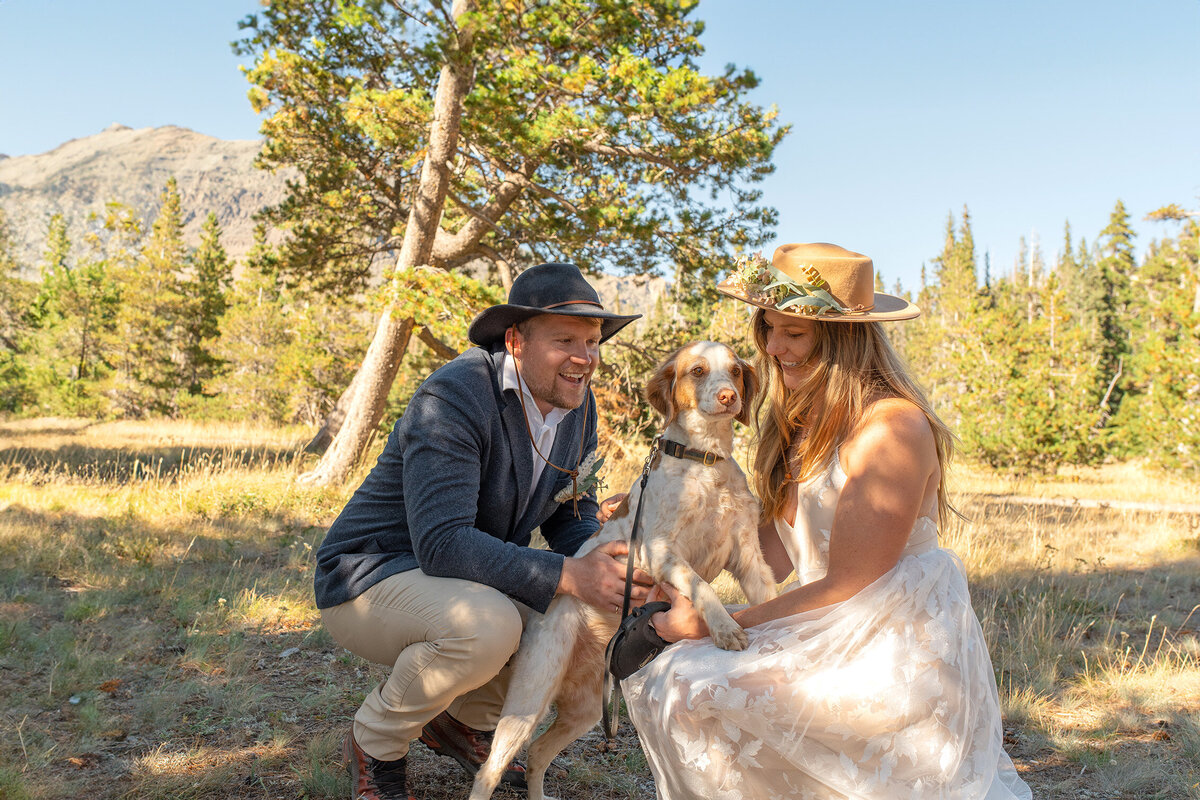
[428,567]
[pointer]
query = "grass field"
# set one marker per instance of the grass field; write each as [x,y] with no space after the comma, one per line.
[158,637]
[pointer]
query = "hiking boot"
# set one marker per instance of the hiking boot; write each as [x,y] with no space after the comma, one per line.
[446,736]
[372,779]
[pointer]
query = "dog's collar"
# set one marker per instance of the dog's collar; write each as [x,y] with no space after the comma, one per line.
[677,450]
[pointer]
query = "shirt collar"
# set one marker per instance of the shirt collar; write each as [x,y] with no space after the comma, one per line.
[509,382]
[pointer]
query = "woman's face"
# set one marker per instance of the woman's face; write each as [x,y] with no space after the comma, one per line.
[790,341]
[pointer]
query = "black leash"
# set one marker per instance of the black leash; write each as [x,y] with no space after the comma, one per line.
[612,689]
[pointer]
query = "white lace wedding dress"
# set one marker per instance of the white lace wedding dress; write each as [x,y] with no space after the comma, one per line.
[889,694]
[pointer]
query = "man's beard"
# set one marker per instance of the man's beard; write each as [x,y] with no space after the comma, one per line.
[554,394]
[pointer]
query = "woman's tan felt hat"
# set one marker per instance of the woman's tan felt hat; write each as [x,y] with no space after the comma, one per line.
[818,281]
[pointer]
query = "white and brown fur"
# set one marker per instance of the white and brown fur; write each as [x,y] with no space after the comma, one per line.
[696,520]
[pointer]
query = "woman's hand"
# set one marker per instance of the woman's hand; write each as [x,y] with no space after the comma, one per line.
[682,621]
[610,504]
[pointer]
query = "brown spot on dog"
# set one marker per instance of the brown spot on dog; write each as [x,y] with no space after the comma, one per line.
[621,510]
[750,388]
[659,392]
[689,367]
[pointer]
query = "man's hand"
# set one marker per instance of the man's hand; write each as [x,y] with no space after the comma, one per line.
[608,505]
[598,578]
[681,621]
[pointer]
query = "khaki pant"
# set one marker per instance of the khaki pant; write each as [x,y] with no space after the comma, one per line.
[448,642]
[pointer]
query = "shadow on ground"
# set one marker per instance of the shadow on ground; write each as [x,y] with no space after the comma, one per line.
[123,464]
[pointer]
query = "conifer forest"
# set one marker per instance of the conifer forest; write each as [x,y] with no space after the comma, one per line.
[1071,357]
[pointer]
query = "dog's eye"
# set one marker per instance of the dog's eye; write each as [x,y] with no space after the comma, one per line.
[697,370]
[737,372]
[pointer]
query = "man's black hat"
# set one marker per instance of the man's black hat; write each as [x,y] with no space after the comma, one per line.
[546,289]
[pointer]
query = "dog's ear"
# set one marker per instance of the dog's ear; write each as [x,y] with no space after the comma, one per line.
[750,387]
[660,389]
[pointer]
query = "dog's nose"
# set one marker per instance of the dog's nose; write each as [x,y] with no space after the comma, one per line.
[727,397]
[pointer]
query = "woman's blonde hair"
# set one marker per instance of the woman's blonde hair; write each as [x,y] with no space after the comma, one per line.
[854,364]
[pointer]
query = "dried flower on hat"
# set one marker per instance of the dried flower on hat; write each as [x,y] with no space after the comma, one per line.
[763,283]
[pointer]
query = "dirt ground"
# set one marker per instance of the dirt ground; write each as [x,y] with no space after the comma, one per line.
[294,753]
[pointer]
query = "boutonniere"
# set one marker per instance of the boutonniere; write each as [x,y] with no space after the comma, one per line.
[584,478]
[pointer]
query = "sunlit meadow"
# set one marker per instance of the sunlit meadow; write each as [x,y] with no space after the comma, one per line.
[158,637]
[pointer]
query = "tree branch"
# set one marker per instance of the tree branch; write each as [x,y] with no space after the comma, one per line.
[435,344]
[506,270]
[449,246]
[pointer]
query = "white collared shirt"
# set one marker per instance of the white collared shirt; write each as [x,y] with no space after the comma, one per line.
[542,428]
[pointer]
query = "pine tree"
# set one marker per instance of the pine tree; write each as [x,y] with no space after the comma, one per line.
[1111,280]
[253,333]
[1020,270]
[967,271]
[1159,417]
[16,294]
[152,316]
[1068,268]
[72,321]
[205,289]
[284,356]
[955,271]
[1034,282]
[13,299]
[937,342]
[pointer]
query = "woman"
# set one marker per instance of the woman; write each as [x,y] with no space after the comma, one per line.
[871,678]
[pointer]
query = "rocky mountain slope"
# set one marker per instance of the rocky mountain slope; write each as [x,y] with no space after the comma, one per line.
[76,179]
[132,166]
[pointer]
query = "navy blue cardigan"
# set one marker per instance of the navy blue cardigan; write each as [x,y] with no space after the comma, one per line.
[445,494]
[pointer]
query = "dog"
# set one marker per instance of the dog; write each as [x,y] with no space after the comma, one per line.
[698,517]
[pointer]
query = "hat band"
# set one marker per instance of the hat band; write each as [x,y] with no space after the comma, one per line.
[822,311]
[574,302]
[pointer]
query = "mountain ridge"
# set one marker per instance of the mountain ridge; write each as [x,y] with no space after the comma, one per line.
[131,166]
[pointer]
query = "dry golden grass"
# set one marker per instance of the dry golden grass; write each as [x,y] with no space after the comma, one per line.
[1125,482]
[158,638]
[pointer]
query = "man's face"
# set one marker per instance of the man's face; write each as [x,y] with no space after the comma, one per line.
[556,356]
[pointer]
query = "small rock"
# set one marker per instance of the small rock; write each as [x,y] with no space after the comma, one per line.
[75,700]
[291,651]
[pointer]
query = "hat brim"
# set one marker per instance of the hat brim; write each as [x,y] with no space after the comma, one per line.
[887,307]
[489,327]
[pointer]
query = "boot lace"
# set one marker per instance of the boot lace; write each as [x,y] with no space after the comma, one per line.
[389,778]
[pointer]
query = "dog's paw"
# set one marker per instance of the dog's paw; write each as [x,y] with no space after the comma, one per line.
[729,636]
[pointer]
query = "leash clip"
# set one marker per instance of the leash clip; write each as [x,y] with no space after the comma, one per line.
[649,462]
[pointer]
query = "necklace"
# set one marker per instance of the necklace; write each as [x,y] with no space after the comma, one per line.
[574,473]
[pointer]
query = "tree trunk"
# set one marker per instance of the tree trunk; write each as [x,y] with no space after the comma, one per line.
[386,352]
[502,266]
[337,415]
[334,419]
[374,379]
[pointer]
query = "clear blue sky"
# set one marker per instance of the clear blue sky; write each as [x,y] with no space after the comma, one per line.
[1031,112]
